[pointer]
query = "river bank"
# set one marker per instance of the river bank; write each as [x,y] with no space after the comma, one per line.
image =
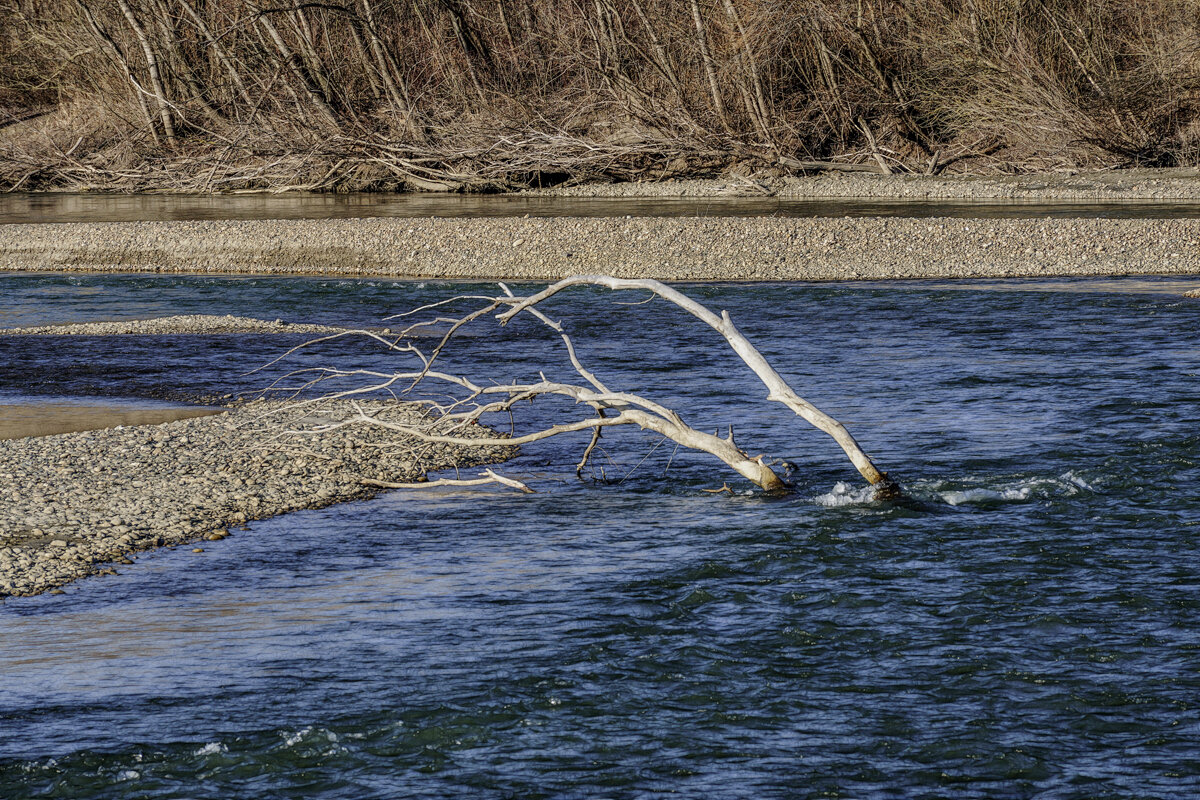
[1115,185]
[78,504]
[672,249]
[200,324]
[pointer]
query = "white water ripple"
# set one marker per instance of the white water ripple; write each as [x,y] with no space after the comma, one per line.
[1068,484]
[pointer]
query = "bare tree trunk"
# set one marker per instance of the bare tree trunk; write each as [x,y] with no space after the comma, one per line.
[118,56]
[778,389]
[160,92]
[469,44]
[297,67]
[662,62]
[396,90]
[178,63]
[757,107]
[218,51]
[306,44]
[374,78]
[508,32]
[710,66]
[280,67]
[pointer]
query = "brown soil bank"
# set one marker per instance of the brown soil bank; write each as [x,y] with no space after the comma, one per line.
[680,249]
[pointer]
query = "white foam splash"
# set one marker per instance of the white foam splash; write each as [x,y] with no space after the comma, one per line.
[1068,484]
[128,775]
[843,494]
[984,495]
[212,748]
[296,737]
[1070,477]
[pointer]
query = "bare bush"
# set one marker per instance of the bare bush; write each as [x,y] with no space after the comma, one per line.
[494,94]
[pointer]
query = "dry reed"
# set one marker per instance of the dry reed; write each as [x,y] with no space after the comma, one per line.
[450,95]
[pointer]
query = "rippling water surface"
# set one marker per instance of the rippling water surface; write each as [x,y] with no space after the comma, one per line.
[1028,627]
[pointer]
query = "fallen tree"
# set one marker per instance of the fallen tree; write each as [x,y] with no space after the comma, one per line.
[467,402]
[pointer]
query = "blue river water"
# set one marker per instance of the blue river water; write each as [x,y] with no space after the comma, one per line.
[1027,626]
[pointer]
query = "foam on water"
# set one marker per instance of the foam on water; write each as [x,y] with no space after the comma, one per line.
[997,490]
[986,495]
[1068,484]
[845,494]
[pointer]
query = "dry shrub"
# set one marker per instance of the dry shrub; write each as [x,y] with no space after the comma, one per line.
[468,94]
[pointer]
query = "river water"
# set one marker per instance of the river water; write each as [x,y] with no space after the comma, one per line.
[1029,626]
[102,207]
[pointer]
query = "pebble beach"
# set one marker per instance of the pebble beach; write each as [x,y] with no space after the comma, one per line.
[672,249]
[86,503]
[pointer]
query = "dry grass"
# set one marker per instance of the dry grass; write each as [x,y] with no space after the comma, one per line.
[497,94]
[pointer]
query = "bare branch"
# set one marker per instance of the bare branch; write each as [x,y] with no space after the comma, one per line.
[778,389]
[488,477]
[468,402]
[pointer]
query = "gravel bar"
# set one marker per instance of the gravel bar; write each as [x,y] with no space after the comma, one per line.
[1116,185]
[674,249]
[80,504]
[173,325]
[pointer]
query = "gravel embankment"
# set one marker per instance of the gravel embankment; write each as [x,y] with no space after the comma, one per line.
[681,249]
[72,504]
[1103,186]
[178,324]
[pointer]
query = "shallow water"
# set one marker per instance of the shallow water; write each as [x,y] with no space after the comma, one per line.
[66,207]
[1027,628]
[22,415]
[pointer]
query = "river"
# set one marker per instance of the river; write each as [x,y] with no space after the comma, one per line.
[101,207]
[1028,627]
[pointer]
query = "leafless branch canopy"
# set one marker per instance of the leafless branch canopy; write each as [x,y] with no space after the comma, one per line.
[467,402]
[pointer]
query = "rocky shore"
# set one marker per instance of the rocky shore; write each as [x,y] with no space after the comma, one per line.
[675,249]
[177,324]
[1114,185]
[83,503]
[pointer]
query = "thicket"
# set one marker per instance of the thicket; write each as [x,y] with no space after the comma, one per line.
[495,94]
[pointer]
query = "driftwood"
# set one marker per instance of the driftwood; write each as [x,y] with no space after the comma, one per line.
[487,477]
[797,165]
[471,401]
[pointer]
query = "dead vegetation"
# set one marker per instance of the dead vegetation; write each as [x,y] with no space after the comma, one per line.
[463,403]
[453,95]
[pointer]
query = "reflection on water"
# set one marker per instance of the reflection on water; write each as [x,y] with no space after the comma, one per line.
[46,418]
[17,208]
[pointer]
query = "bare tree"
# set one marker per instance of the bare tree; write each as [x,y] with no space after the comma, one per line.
[156,81]
[470,401]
